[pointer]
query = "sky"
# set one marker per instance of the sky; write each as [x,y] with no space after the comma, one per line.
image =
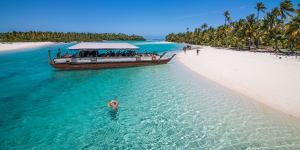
[142,17]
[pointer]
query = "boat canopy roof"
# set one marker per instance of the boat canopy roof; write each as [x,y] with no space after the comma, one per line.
[88,46]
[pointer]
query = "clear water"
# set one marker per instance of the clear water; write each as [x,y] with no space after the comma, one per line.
[161,107]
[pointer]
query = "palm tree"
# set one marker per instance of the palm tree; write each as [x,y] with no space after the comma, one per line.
[286,8]
[275,11]
[227,16]
[250,29]
[203,35]
[239,33]
[276,29]
[204,27]
[267,26]
[260,7]
[224,29]
[293,32]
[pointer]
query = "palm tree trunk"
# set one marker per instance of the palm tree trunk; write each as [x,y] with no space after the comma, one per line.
[276,45]
[257,43]
[249,44]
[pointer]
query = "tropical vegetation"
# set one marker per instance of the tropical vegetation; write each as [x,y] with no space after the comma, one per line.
[35,36]
[279,28]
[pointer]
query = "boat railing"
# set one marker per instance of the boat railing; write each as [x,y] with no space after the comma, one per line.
[72,59]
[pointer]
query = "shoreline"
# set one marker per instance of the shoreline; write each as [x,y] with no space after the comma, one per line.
[260,76]
[11,46]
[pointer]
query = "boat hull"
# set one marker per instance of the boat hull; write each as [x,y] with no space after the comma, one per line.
[85,66]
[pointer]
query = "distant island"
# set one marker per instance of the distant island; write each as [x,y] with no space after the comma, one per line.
[278,29]
[38,36]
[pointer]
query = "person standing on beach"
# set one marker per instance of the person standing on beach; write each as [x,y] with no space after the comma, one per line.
[198,51]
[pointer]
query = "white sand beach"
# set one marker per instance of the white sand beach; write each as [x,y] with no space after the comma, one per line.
[7,46]
[261,76]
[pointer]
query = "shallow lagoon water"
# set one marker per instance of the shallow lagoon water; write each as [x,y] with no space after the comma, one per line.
[161,107]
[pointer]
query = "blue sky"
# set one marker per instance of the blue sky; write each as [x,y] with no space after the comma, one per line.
[143,17]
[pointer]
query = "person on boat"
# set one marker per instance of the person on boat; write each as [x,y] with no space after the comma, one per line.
[67,55]
[58,53]
[113,104]
[153,57]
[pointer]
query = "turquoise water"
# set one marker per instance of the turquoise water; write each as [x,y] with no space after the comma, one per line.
[161,107]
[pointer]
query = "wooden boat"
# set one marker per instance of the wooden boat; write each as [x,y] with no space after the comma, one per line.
[105,55]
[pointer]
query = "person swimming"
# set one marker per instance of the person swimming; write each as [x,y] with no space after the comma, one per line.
[113,104]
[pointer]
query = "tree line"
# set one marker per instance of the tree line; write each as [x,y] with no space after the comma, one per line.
[278,29]
[37,36]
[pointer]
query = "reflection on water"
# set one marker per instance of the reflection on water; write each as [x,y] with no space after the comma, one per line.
[113,113]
